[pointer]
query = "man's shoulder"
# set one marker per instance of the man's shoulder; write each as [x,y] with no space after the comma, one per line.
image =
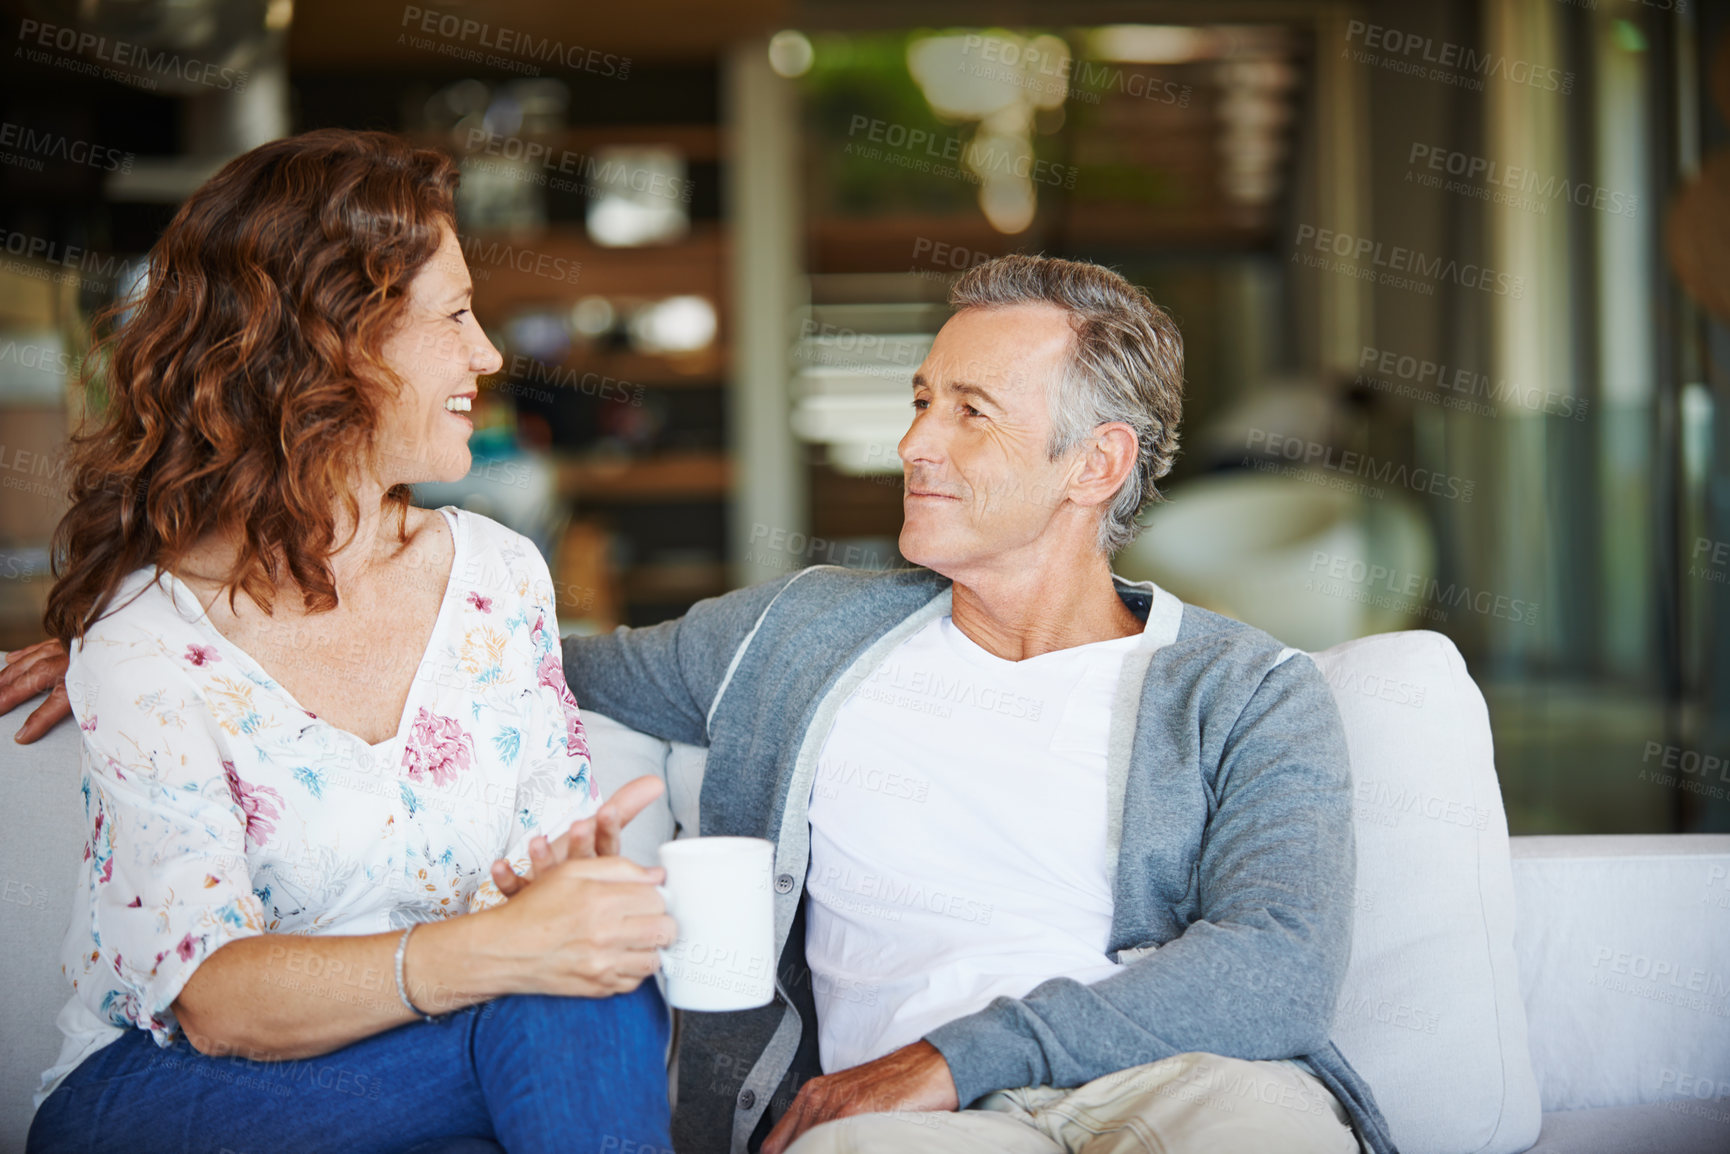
[838,581]
[1190,627]
[834,589]
[829,597]
[1233,678]
[1205,627]
[1232,658]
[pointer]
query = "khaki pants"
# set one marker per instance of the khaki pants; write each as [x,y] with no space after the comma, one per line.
[1185,1104]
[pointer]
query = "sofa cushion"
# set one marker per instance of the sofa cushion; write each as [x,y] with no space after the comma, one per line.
[41,853]
[1430,1014]
[618,754]
[1624,944]
[1669,1127]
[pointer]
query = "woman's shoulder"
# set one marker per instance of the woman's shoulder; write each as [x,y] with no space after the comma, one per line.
[495,561]
[148,609]
[150,631]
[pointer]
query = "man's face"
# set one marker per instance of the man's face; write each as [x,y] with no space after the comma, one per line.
[979,484]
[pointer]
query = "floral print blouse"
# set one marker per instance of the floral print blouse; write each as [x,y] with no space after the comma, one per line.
[219,808]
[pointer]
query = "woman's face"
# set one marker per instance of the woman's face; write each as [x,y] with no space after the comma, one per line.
[439,352]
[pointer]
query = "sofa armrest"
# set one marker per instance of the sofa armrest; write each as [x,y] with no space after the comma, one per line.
[1624,950]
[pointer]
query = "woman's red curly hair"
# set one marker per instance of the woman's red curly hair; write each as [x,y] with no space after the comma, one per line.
[246,383]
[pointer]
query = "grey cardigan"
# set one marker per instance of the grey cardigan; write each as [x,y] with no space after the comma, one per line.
[1229,833]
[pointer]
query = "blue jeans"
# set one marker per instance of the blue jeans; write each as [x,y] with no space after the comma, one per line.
[532,1074]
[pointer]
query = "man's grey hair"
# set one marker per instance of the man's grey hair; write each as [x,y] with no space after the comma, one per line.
[1125,364]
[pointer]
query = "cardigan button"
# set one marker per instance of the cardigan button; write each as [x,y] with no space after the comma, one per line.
[784,884]
[747,1099]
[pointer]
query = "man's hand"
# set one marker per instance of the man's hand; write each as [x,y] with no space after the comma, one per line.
[28,672]
[914,1077]
[594,836]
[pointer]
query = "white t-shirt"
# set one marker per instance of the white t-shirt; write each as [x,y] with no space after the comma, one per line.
[958,833]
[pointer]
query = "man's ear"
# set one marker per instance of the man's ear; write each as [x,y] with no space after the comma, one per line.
[1106,458]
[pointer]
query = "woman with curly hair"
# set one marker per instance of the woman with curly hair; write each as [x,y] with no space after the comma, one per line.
[315,716]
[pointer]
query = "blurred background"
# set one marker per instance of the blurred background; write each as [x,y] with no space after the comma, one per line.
[1453,278]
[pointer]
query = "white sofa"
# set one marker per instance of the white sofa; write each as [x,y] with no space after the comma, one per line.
[1593,916]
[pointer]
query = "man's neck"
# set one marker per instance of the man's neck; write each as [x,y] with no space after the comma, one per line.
[1025,614]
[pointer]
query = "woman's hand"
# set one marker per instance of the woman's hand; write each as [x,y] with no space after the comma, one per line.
[593,836]
[588,927]
[29,671]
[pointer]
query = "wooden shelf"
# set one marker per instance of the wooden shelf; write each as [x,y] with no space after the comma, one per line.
[664,477]
[697,142]
[333,35]
[901,244]
[513,271]
[706,368]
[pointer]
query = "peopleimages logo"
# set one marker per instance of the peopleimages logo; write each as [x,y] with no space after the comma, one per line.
[1677,768]
[1025,66]
[919,148]
[893,894]
[1524,182]
[37,34]
[533,372]
[1445,61]
[79,263]
[491,41]
[942,259]
[33,145]
[40,357]
[1393,799]
[1668,971]
[1339,575]
[538,162]
[1710,560]
[503,254]
[1459,388]
[1388,264]
[1318,455]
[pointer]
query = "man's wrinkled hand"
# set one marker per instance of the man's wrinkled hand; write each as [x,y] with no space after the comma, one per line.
[912,1078]
[29,671]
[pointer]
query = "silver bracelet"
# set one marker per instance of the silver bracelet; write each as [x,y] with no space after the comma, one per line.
[401,986]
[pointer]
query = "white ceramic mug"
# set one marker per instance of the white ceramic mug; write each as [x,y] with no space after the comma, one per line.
[720,891]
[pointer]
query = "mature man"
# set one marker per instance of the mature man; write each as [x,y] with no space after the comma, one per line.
[1062,863]
[1050,846]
